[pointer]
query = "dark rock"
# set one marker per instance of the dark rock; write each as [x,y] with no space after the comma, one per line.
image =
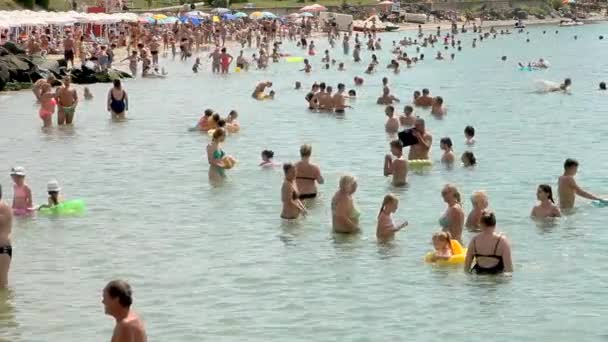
[4,76]
[13,48]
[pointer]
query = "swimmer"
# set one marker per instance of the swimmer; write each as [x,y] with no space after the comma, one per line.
[358,81]
[204,124]
[425,100]
[308,174]
[117,300]
[448,156]
[215,154]
[357,53]
[270,95]
[437,108]
[503,58]
[397,167]
[370,69]
[67,100]
[47,105]
[421,149]
[387,98]
[352,94]
[339,100]
[298,85]
[345,216]
[267,159]
[292,206]
[260,89]
[568,188]
[490,251]
[565,87]
[197,64]
[232,124]
[407,119]
[87,94]
[479,200]
[469,135]
[442,245]
[55,198]
[392,123]
[386,227]
[546,207]
[118,101]
[439,57]
[468,159]
[22,194]
[311,49]
[307,67]
[452,220]
[6,248]
[602,85]
[341,66]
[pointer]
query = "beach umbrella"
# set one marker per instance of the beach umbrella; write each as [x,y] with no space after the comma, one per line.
[159,16]
[168,20]
[268,15]
[313,8]
[307,14]
[197,14]
[220,10]
[240,15]
[386,3]
[256,15]
[229,16]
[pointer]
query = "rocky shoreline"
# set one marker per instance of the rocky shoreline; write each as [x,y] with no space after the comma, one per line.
[19,71]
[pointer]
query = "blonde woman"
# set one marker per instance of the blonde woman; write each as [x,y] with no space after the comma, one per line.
[479,200]
[452,220]
[345,216]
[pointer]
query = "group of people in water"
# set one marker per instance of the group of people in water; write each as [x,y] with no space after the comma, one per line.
[488,252]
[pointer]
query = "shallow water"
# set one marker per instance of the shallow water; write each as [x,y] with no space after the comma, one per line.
[217,263]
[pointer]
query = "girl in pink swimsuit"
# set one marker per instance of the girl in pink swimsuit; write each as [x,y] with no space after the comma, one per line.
[225,60]
[22,195]
[47,105]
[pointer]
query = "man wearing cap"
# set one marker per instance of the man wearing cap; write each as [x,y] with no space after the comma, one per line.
[6,250]
[117,300]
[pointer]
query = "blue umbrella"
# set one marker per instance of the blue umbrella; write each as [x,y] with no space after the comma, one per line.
[229,16]
[268,15]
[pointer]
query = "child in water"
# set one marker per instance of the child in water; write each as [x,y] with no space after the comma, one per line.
[311,49]
[468,159]
[204,124]
[197,64]
[443,247]
[232,124]
[87,94]
[53,190]
[386,228]
[47,105]
[22,195]
[469,135]
[267,156]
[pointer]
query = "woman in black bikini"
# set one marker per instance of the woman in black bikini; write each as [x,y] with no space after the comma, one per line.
[490,251]
[308,174]
[118,101]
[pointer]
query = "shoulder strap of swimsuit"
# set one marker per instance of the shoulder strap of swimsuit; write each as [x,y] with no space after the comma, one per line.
[497,243]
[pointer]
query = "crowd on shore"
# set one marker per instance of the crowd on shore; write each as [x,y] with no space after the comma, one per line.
[488,252]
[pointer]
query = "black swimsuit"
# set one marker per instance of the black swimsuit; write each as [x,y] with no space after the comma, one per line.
[8,249]
[307,196]
[497,269]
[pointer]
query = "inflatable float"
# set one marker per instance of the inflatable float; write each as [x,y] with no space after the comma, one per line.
[420,164]
[294,59]
[457,258]
[66,208]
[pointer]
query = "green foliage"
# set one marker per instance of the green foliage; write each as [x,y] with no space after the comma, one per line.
[556,4]
[26,3]
[219,3]
[43,3]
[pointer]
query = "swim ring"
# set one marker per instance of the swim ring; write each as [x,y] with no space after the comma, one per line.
[419,164]
[66,208]
[456,259]
[294,59]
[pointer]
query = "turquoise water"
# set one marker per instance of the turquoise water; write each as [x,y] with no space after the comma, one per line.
[216,263]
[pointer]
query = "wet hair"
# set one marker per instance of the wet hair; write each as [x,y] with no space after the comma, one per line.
[408,109]
[352,92]
[504,58]
[468,155]
[602,85]
[470,131]
[268,154]
[396,144]
[488,219]
[287,167]
[570,163]
[439,100]
[216,117]
[567,81]
[416,93]
[322,86]
[233,113]
[117,83]
[346,182]
[425,91]
[443,236]
[389,198]
[341,86]
[218,133]
[208,112]
[446,141]
[122,290]
[384,80]
[390,110]
[305,150]
[546,188]
[221,123]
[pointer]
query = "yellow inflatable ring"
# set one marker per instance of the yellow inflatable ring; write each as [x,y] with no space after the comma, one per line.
[420,163]
[456,259]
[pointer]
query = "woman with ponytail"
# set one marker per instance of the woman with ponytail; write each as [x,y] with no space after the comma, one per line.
[386,229]
[452,221]
[546,207]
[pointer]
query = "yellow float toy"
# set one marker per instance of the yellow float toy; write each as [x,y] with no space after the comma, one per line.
[229,162]
[459,254]
[420,164]
[237,69]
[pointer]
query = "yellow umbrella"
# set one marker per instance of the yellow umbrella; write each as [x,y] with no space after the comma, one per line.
[216,19]
[159,16]
[256,15]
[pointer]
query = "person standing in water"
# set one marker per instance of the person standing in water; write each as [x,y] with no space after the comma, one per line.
[421,149]
[225,60]
[397,167]
[546,207]
[118,101]
[496,256]
[117,301]
[345,216]
[452,221]
[308,174]
[292,206]
[6,249]
[568,188]
[22,194]
[67,100]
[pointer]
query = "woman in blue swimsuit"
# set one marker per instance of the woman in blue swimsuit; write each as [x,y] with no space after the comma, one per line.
[452,221]
[215,155]
[489,252]
[118,101]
